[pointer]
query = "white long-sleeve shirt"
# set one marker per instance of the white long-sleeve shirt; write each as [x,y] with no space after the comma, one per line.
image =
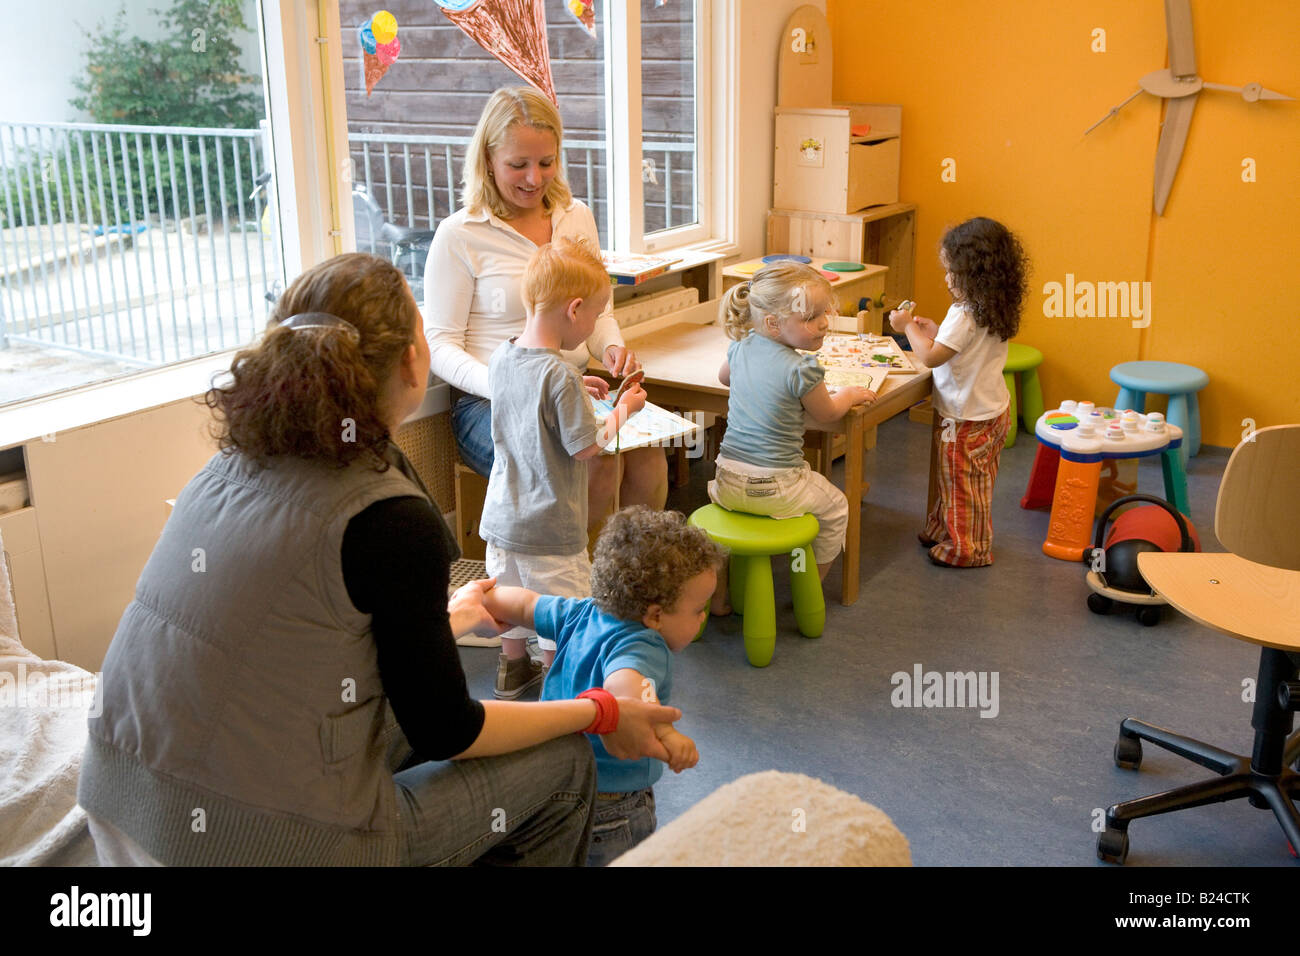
[471,293]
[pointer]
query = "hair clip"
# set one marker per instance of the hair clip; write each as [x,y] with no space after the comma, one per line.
[321,320]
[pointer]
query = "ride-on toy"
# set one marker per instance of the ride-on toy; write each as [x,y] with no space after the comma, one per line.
[1113,575]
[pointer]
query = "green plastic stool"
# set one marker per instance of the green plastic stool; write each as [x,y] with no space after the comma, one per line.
[752,540]
[1023,360]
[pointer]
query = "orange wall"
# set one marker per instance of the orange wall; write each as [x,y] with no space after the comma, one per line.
[1007,87]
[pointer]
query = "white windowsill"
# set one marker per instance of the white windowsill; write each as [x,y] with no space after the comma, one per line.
[116,398]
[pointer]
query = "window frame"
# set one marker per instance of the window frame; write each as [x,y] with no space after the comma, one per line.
[623,98]
[301,51]
[287,36]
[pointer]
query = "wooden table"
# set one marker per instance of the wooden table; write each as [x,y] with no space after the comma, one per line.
[681,363]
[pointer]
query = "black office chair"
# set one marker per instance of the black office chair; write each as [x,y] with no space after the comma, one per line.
[1251,593]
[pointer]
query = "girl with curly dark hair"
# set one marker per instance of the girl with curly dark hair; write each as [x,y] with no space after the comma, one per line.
[987,275]
[285,688]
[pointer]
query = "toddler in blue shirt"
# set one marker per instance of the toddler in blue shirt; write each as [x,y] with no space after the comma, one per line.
[652,576]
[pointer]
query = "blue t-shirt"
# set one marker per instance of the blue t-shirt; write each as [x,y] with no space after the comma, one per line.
[765,410]
[591,645]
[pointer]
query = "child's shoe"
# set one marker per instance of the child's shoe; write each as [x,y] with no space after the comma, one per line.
[515,677]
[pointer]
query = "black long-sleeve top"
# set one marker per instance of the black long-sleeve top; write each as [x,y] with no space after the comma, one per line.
[397,558]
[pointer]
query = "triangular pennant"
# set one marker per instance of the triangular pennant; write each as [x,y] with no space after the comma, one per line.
[375,69]
[514,31]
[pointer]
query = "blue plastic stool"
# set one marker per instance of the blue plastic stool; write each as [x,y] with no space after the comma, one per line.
[752,540]
[1179,382]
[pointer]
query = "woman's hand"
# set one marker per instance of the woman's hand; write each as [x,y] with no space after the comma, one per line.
[467,613]
[596,386]
[635,737]
[620,361]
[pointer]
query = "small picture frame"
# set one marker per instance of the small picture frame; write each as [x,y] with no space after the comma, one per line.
[812,152]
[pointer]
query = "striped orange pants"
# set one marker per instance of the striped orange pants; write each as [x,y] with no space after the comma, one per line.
[964,466]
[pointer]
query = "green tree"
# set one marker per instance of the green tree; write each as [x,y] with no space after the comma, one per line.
[189,77]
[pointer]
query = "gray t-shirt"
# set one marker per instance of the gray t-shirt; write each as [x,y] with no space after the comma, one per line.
[541,417]
[765,408]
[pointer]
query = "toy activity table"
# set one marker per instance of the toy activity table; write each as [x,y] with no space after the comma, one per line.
[681,364]
[1073,441]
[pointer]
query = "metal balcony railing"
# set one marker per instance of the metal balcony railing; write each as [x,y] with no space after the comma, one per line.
[152,244]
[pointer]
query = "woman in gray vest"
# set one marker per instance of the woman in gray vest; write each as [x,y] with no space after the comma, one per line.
[285,687]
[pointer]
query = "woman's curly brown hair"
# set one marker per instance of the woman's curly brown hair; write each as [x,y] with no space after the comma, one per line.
[317,393]
[645,557]
[991,272]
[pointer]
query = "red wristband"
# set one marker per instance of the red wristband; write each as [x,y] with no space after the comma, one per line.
[606,721]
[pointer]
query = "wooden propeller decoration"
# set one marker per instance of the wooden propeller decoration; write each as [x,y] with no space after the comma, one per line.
[1179,85]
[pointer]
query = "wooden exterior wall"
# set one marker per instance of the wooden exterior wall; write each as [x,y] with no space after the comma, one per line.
[442,79]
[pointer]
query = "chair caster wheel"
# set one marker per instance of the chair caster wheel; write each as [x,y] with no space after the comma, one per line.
[1148,616]
[1099,603]
[1112,845]
[1128,753]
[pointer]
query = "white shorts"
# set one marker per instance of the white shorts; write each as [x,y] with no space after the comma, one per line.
[784,493]
[564,575]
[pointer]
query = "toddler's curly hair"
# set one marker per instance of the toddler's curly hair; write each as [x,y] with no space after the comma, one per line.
[991,270]
[645,557]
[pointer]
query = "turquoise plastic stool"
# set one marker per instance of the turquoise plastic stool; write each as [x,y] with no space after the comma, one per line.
[1023,360]
[1179,382]
[752,540]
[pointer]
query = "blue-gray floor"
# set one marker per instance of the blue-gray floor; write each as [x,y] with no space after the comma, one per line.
[1022,787]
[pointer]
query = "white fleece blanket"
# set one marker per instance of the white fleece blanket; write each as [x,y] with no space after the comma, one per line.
[43,708]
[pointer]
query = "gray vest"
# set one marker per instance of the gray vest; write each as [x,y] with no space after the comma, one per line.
[243,717]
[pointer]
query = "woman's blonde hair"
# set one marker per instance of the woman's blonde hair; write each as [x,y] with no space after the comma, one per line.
[507,107]
[780,289]
[561,271]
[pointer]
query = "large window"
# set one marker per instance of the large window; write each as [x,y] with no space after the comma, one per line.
[163,172]
[137,215]
[630,98]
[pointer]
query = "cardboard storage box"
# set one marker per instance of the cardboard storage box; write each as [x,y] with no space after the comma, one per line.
[821,166]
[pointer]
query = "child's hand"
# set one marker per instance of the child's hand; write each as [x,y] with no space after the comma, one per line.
[859,395]
[596,386]
[468,609]
[682,754]
[927,326]
[633,399]
[899,318]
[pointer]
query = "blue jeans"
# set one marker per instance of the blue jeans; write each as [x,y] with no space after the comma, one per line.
[528,808]
[620,824]
[471,426]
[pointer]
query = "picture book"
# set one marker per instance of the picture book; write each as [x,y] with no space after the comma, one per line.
[651,426]
[628,268]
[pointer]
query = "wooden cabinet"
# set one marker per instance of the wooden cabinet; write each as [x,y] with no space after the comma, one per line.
[884,235]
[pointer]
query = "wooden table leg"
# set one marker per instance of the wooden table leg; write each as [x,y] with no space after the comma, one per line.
[853,490]
[826,455]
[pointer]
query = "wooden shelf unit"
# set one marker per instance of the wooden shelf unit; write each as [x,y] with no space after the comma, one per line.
[884,235]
